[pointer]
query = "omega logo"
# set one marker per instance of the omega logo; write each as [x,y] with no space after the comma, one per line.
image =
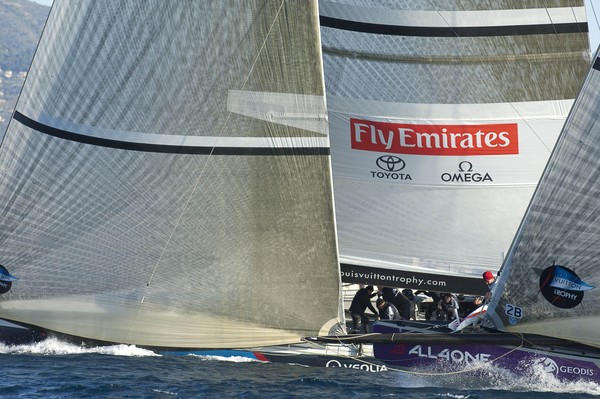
[465,166]
[465,174]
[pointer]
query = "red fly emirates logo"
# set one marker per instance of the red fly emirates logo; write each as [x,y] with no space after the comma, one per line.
[404,138]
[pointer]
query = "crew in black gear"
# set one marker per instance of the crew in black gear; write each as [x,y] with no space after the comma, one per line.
[360,303]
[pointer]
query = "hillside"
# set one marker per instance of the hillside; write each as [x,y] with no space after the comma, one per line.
[21,24]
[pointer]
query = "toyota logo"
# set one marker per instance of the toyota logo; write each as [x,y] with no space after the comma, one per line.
[390,163]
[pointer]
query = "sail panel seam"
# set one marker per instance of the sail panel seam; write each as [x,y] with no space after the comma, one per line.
[475,59]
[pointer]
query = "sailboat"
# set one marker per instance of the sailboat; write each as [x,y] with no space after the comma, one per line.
[545,302]
[166,178]
[442,116]
[543,313]
[544,308]
[166,181]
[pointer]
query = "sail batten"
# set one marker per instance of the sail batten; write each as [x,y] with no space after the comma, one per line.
[453,23]
[551,272]
[180,144]
[433,113]
[167,182]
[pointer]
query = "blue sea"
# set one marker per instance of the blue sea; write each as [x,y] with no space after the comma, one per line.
[55,369]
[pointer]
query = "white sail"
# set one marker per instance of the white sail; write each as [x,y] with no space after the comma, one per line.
[550,282]
[166,177]
[442,117]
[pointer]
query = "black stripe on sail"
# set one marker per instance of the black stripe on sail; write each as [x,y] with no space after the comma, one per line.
[165,148]
[471,31]
[596,65]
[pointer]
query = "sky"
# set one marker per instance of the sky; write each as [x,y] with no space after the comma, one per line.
[44,2]
[592,10]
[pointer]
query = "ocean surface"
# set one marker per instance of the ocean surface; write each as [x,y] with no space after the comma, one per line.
[55,369]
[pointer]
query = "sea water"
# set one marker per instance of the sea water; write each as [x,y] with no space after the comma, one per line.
[55,369]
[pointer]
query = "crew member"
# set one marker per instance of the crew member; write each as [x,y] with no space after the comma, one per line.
[471,306]
[387,310]
[447,307]
[360,303]
[489,279]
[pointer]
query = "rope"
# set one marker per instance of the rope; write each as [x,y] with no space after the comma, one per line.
[205,164]
[467,370]
[202,172]
[419,373]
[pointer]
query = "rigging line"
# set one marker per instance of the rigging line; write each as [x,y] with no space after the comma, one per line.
[550,18]
[263,44]
[562,43]
[575,18]
[443,19]
[459,43]
[467,370]
[37,50]
[201,174]
[512,104]
[357,358]
[421,373]
[362,359]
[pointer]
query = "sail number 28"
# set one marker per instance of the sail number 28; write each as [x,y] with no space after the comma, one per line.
[513,311]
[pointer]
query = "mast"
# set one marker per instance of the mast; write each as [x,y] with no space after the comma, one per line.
[549,283]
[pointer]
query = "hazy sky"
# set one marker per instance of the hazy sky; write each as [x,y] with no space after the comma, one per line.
[44,2]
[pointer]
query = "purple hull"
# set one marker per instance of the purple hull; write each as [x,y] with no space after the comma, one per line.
[566,364]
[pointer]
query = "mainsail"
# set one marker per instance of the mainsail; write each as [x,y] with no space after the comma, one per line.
[550,282]
[166,177]
[442,117]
